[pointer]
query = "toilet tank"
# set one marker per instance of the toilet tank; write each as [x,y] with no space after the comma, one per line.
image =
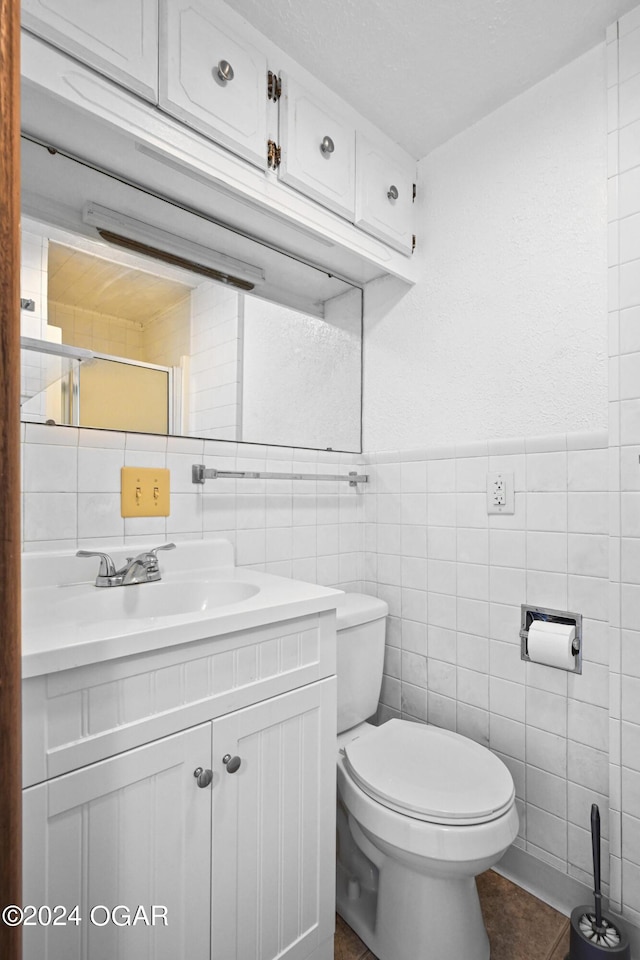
[360,624]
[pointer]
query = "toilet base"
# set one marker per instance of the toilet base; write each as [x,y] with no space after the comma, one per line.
[411,916]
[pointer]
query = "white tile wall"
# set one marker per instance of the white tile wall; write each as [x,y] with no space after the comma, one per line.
[454,578]
[33,286]
[98,331]
[166,337]
[216,356]
[33,274]
[311,530]
[624,468]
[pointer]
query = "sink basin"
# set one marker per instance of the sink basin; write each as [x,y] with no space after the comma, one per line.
[68,622]
[151,600]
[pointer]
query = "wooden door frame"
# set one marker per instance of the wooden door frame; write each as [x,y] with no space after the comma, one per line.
[10,651]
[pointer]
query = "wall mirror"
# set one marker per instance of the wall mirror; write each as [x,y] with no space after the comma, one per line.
[138,314]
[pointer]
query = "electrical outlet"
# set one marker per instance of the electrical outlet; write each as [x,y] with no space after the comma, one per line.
[500,493]
[144,492]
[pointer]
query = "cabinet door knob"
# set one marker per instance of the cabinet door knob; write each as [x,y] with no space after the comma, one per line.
[327,146]
[231,763]
[225,70]
[203,777]
[392,192]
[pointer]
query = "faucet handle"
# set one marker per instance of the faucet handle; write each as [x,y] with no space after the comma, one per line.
[150,556]
[107,566]
[164,546]
[145,567]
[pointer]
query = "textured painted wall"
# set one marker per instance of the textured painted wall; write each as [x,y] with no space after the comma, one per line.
[301,374]
[506,333]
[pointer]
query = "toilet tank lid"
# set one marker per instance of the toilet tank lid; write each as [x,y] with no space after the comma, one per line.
[353,609]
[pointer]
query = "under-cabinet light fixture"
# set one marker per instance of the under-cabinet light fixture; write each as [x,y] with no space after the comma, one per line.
[139,237]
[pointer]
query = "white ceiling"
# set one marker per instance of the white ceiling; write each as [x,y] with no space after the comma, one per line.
[423,70]
[77,278]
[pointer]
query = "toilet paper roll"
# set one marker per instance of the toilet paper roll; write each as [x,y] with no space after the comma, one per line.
[550,643]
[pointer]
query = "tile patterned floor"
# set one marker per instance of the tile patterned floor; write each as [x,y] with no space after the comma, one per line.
[520,926]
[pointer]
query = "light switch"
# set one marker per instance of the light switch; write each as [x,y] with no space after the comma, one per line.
[144,492]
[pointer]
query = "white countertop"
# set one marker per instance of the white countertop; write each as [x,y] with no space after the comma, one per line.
[53,639]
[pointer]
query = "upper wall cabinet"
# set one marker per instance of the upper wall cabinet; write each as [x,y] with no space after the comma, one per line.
[317,149]
[212,78]
[304,153]
[384,195]
[119,38]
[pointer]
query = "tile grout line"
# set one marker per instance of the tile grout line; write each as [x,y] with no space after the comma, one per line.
[558,940]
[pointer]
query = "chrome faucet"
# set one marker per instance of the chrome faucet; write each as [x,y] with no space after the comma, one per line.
[141,569]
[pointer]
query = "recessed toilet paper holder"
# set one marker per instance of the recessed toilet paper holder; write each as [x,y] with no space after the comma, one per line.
[529,613]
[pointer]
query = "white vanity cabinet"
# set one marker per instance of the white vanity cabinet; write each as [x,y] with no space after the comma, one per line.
[272,881]
[212,77]
[118,38]
[317,148]
[243,860]
[384,194]
[131,830]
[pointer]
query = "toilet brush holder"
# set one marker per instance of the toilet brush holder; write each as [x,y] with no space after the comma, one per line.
[595,936]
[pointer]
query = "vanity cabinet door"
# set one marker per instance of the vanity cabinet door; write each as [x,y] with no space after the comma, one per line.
[134,830]
[384,195]
[317,149]
[212,78]
[274,827]
[118,38]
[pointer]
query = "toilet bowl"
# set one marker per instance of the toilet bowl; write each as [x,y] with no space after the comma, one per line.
[421,812]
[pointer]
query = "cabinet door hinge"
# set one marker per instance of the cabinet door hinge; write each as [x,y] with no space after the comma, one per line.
[413,242]
[273,154]
[274,86]
[415,190]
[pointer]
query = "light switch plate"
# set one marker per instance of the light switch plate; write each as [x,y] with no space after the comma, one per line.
[500,493]
[144,492]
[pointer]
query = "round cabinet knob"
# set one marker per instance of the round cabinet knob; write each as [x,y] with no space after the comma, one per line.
[231,763]
[203,777]
[225,70]
[327,146]
[392,192]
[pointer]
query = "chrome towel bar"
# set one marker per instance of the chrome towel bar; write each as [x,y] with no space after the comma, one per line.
[200,473]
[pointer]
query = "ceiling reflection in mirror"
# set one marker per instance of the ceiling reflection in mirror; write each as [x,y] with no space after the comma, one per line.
[179,325]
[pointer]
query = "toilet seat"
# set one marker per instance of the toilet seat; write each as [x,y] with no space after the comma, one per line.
[430,774]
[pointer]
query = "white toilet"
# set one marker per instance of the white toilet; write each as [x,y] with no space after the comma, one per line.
[421,812]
